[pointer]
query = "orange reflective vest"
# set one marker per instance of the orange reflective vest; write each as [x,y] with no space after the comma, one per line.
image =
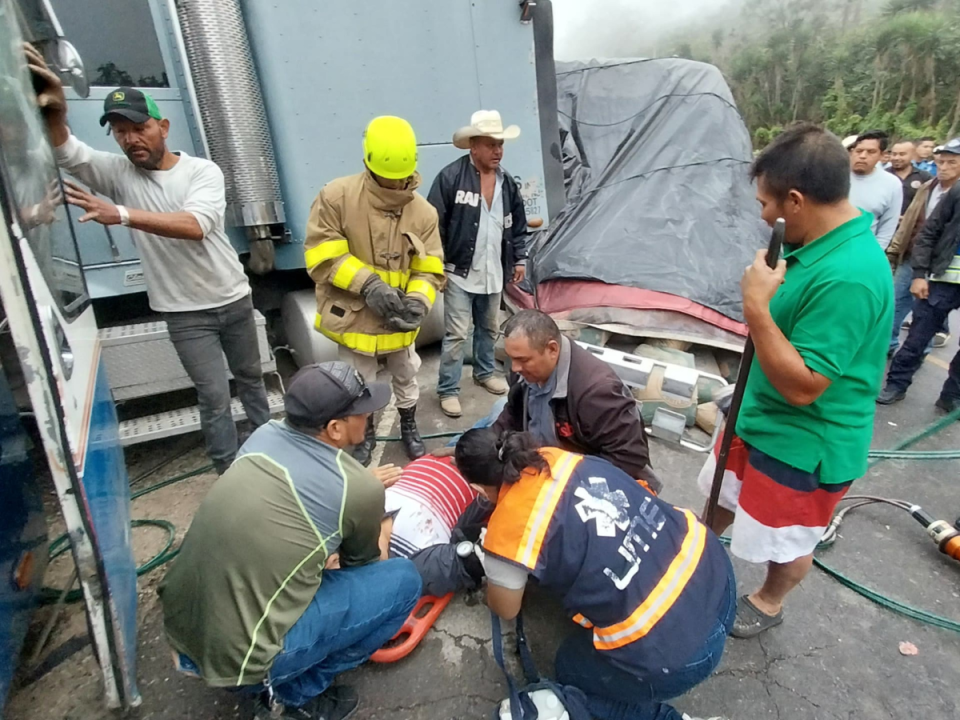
[648,578]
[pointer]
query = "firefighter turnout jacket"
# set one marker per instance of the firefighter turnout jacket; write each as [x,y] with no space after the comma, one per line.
[356,229]
[648,578]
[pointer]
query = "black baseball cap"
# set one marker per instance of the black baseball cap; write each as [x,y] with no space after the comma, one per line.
[131,104]
[327,391]
[952,147]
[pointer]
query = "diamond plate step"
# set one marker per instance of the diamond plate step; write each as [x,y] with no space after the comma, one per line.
[182,420]
[142,362]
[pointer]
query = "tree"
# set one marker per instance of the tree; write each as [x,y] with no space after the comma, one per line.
[891,64]
[110,74]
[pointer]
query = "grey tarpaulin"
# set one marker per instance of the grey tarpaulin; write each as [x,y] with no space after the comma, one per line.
[656,160]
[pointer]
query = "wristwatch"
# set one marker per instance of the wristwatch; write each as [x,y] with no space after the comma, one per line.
[464,549]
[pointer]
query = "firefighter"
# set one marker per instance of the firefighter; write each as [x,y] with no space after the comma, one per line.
[649,584]
[374,251]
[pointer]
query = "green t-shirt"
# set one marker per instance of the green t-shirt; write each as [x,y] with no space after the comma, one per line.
[836,308]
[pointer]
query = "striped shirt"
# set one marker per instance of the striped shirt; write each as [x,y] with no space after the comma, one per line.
[426,503]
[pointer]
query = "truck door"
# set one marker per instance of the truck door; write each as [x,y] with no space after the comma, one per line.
[47,307]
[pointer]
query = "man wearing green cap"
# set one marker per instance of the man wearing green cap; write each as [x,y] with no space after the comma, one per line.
[174,206]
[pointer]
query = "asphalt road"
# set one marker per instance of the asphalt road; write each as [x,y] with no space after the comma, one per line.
[836,656]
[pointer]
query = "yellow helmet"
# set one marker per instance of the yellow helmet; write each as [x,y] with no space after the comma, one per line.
[390,148]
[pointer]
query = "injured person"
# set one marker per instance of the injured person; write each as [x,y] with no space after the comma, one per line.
[432,519]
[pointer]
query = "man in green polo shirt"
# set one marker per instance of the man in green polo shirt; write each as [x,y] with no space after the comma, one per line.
[818,323]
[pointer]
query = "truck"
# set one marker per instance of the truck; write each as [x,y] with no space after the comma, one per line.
[277,94]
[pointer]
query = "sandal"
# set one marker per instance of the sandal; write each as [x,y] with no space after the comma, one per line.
[751,621]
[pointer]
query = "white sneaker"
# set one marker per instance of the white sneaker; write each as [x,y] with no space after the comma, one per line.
[941,339]
[690,717]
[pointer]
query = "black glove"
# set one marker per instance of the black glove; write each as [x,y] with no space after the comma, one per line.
[384,300]
[411,317]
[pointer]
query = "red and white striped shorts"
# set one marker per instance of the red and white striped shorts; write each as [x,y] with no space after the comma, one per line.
[781,512]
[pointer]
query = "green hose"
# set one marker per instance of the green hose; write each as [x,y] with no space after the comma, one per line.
[50,596]
[429,436]
[876,457]
[61,544]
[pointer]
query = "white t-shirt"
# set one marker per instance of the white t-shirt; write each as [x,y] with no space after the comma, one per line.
[503,574]
[486,270]
[180,274]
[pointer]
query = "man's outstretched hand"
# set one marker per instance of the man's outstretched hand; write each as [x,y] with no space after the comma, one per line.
[95,208]
[387,474]
[50,96]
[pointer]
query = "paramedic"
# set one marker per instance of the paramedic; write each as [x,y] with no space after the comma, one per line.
[650,586]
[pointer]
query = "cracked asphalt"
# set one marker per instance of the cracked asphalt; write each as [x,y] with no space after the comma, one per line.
[835,657]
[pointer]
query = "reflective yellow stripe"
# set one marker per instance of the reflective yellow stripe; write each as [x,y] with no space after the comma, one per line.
[664,595]
[429,264]
[582,621]
[370,344]
[393,278]
[539,521]
[424,288]
[325,251]
[347,272]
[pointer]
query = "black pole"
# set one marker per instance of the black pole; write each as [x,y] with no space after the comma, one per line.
[773,255]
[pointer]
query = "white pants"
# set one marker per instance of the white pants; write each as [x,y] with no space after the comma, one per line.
[402,365]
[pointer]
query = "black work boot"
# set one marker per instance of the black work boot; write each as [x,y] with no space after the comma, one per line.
[409,434]
[337,703]
[363,451]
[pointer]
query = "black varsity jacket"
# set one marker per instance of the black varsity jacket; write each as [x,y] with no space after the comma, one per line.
[456,196]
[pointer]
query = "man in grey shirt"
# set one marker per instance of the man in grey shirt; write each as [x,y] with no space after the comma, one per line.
[174,206]
[874,189]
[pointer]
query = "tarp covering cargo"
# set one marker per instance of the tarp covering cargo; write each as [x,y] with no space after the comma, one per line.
[659,203]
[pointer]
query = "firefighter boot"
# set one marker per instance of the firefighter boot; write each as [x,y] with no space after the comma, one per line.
[363,451]
[409,434]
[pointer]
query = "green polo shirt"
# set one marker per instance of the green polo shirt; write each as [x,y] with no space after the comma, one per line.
[836,308]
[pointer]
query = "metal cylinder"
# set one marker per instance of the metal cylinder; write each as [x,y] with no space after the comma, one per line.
[231,107]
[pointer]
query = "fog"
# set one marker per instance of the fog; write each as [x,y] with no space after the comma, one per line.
[621,28]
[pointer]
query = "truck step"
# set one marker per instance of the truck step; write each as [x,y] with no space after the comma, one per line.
[141,361]
[182,420]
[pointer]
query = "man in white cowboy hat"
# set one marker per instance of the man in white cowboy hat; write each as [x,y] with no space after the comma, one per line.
[483,227]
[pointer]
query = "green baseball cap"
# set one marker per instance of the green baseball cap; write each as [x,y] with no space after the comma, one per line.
[130,104]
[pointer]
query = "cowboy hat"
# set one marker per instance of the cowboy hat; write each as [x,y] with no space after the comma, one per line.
[484,123]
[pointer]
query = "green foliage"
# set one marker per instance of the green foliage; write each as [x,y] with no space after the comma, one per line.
[850,64]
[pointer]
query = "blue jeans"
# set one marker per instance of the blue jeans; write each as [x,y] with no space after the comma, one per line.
[459,307]
[903,304]
[354,613]
[615,694]
[486,422]
[928,317]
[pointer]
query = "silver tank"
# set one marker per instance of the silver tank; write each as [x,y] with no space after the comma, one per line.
[231,106]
